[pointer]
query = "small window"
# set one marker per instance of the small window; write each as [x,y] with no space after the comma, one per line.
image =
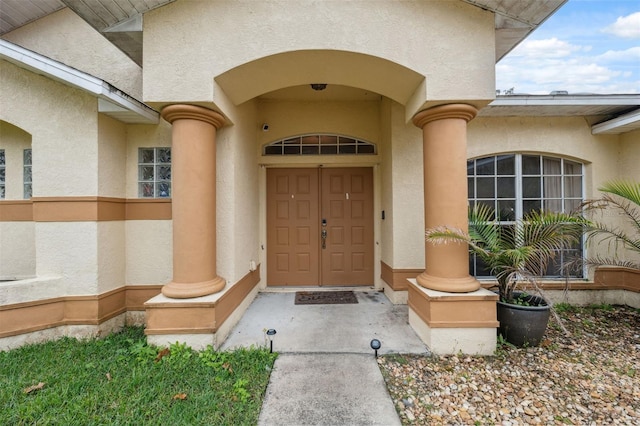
[2,174]
[154,172]
[27,176]
[320,145]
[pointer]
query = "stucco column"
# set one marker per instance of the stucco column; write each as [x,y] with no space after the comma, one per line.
[444,133]
[193,166]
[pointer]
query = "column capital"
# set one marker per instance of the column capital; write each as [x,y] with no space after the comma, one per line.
[442,112]
[175,112]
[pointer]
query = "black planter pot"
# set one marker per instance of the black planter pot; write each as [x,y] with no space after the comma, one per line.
[524,325]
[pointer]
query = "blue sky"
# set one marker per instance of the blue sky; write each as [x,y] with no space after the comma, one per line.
[588,46]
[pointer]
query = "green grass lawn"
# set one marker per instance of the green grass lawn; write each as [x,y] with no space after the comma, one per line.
[121,380]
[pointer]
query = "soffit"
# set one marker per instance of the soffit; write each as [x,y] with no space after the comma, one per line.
[515,20]
[120,21]
[612,114]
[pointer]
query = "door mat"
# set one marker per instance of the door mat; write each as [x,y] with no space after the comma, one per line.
[325,297]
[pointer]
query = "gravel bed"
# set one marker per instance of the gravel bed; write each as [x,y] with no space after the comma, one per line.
[589,377]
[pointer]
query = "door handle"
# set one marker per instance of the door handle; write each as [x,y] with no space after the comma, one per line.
[323,234]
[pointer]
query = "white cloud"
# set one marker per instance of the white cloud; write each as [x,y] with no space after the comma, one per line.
[573,55]
[534,72]
[548,48]
[625,26]
[630,55]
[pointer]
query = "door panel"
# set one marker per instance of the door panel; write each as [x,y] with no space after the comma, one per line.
[292,227]
[298,200]
[347,205]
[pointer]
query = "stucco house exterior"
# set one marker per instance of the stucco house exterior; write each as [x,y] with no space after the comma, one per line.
[162,162]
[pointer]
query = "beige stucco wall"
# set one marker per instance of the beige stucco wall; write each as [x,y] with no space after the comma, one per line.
[386,183]
[149,251]
[568,137]
[112,151]
[408,192]
[630,155]
[68,250]
[111,255]
[65,37]
[17,250]
[188,43]
[290,118]
[141,136]
[149,243]
[63,125]
[237,198]
[628,170]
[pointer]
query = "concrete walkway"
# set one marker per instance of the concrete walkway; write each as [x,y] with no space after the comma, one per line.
[326,373]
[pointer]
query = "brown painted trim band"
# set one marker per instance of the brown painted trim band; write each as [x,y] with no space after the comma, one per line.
[461,311]
[234,297]
[26,317]
[84,209]
[397,278]
[188,317]
[16,211]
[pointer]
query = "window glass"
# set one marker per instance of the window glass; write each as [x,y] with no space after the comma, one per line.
[154,172]
[485,166]
[2,174]
[506,164]
[319,145]
[27,174]
[485,187]
[517,184]
[530,164]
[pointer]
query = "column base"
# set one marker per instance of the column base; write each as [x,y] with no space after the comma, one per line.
[450,285]
[176,290]
[452,323]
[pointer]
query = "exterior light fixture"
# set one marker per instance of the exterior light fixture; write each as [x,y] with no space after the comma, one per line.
[318,86]
[375,345]
[271,332]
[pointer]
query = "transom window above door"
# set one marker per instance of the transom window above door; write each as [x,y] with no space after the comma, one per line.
[321,144]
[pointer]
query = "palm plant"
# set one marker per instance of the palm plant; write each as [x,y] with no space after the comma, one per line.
[514,253]
[622,198]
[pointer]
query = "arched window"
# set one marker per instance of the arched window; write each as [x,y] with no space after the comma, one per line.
[322,144]
[515,184]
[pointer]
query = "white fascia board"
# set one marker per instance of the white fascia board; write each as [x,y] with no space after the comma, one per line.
[58,71]
[564,100]
[610,126]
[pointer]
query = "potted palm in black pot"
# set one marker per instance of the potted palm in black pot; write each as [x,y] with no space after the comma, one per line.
[517,255]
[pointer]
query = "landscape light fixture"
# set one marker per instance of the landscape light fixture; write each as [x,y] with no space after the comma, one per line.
[271,332]
[375,345]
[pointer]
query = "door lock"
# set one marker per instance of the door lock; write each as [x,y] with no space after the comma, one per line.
[323,234]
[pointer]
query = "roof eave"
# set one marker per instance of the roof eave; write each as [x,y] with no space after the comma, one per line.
[137,111]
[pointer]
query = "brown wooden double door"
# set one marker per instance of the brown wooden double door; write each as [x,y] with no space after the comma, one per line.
[320,226]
